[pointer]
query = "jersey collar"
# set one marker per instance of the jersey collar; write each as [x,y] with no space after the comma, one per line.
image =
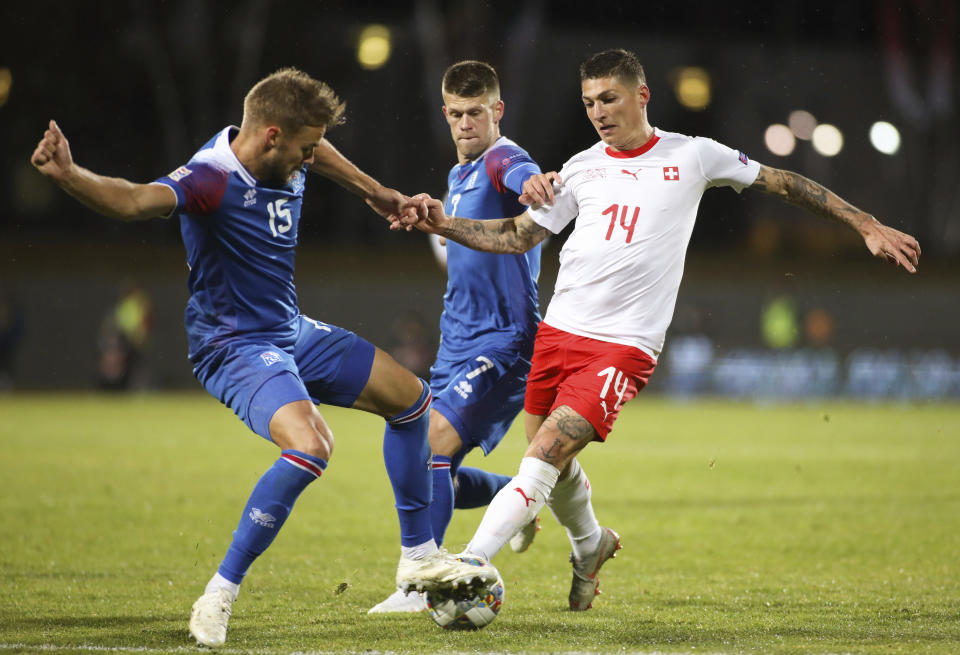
[465,169]
[636,152]
[226,154]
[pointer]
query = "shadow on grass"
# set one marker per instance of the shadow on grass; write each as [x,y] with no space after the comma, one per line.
[658,632]
[119,630]
[49,622]
[700,502]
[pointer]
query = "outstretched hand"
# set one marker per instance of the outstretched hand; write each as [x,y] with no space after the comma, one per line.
[386,201]
[420,211]
[52,155]
[890,244]
[538,189]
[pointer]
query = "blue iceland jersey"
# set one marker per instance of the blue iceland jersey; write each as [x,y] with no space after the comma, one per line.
[491,300]
[240,238]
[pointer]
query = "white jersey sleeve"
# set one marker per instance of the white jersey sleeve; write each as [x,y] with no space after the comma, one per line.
[557,216]
[724,166]
[634,211]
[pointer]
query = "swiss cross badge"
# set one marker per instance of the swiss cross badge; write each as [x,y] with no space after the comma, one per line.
[671,173]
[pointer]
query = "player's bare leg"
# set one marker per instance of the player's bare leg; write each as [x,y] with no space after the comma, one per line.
[570,502]
[390,389]
[552,449]
[559,438]
[306,444]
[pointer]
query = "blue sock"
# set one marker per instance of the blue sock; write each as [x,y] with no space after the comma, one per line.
[269,505]
[441,509]
[406,454]
[476,488]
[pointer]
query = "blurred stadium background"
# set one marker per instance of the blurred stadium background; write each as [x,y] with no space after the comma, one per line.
[861,96]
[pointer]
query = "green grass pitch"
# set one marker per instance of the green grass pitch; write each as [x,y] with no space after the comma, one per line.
[814,528]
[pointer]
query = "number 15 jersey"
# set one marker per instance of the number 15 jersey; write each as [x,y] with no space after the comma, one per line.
[241,237]
[620,269]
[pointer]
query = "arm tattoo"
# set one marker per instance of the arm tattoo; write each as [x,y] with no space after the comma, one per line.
[803,192]
[505,235]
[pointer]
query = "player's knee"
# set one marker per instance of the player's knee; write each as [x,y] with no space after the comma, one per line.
[317,444]
[391,388]
[307,433]
[443,437]
[444,449]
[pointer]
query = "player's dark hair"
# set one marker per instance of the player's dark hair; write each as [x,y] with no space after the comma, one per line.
[292,99]
[618,63]
[469,79]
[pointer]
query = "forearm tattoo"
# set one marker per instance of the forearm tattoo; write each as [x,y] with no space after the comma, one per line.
[803,192]
[506,235]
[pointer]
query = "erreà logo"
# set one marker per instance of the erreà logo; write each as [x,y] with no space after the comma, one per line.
[250,197]
[463,388]
[269,358]
[262,518]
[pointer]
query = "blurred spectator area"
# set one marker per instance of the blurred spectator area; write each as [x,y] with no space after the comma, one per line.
[138,86]
[774,301]
[861,326]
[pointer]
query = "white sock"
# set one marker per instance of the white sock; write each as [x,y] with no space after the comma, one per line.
[513,507]
[570,504]
[425,549]
[220,582]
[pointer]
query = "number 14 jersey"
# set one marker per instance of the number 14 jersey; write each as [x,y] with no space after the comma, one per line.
[620,269]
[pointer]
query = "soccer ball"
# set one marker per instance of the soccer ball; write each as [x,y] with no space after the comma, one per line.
[470,607]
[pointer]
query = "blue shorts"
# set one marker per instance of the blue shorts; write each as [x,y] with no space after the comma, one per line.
[254,377]
[480,395]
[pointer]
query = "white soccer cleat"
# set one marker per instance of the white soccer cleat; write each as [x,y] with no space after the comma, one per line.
[586,584]
[400,602]
[441,570]
[209,618]
[524,537]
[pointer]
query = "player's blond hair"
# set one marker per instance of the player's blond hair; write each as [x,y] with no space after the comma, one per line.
[292,100]
[619,63]
[471,78]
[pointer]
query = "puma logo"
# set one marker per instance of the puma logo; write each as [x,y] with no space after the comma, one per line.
[633,175]
[603,405]
[525,498]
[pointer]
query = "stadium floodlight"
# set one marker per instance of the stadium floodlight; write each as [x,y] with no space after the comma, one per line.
[827,140]
[6,81]
[692,88]
[373,46]
[885,137]
[779,139]
[802,123]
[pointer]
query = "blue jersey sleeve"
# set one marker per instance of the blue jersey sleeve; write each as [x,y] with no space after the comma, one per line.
[508,167]
[199,187]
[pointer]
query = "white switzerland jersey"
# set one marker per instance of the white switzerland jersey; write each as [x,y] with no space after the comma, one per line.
[620,269]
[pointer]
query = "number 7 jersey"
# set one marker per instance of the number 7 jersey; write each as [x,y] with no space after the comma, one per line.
[620,269]
[491,300]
